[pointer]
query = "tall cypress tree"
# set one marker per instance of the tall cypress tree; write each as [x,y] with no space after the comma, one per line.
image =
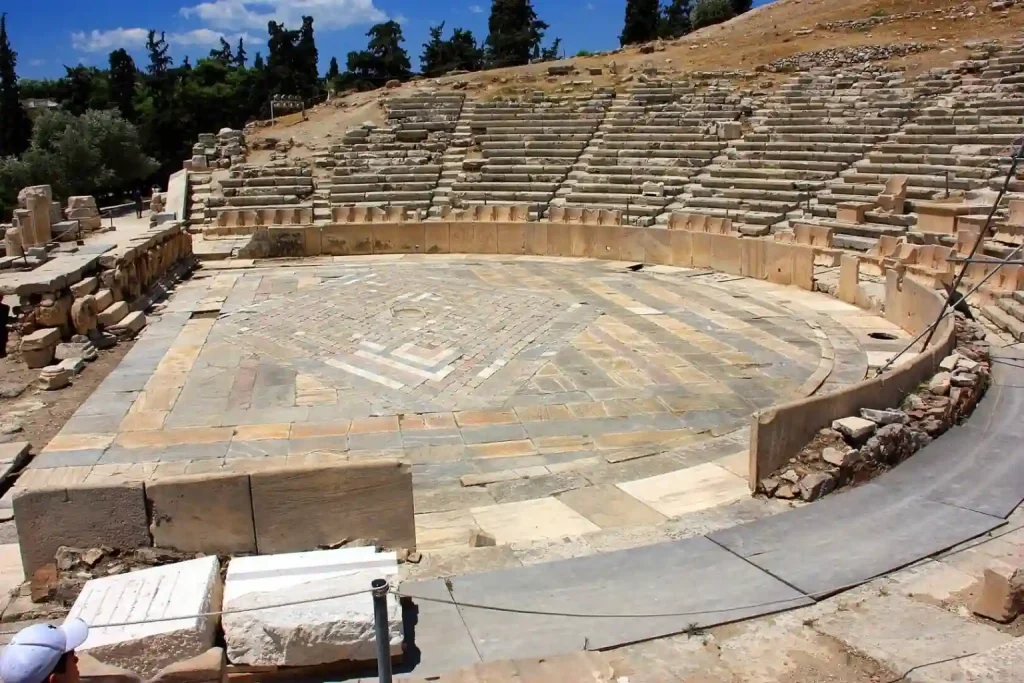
[675,19]
[15,126]
[515,33]
[641,24]
[240,54]
[122,82]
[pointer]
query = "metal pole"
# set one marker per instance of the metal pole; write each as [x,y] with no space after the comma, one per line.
[382,633]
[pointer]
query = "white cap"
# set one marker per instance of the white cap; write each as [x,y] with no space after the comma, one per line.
[33,653]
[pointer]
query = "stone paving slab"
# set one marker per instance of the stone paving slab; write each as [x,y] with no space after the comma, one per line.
[851,536]
[681,578]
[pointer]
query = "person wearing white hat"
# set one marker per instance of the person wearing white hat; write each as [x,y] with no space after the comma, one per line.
[44,654]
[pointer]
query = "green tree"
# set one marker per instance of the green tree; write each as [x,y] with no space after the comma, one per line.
[95,153]
[224,55]
[741,6]
[549,54]
[333,72]
[383,60]
[240,54]
[308,58]
[641,24]
[459,53]
[675,19]
[257,63]
[708,12]
[515,33]
[122,76]
[85,87]
[159,60]
[15,126]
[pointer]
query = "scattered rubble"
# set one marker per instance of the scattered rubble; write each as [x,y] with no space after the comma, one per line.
[857,448]
[953,13]
[1002,595]
[844,56]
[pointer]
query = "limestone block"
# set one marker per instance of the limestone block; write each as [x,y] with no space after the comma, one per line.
[849,278]
[183,590]
[93,670]
[87,286]
[104,299]
[113,314]
[82,202]
[852,212]
[81,517]
[84,317]
[314,633]
[209,667]
[37,349]
[1002,596]
[54,377]
[301,509]
[204,513]
[54,312]
[856,429]
[13,243]
[130,325]
[73,365]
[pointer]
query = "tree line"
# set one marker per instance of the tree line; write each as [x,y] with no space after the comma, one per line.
[648,20]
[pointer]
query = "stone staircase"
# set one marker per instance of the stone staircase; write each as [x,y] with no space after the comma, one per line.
[651,143]
[398,164]
[275,186]
[523,151]
[815,127]
[1008,315]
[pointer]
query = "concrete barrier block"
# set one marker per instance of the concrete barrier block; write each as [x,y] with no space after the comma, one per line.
[205,513]
[82,517]
[299,509]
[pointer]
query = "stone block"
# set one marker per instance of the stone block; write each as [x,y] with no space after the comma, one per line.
[206,513]
[174,592]
[113,314]
[37,349]
[1002,596]
[940,384]
[84,350]
[302,509]
[73,365]
[130,325]
[86,286]
[93,670]
[81,517]
[104,299]
[209,667]
[330,630]
[856,429]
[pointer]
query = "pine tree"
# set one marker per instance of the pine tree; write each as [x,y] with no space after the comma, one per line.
[458,53]
[258,62]
[224,55]
[515,33]
[333,71]
[122,83]
[433,60]
[307,59]
[641,24]
[240,54]
[675,19]
[159,60]
[15,126]
[466,54]
[392,61]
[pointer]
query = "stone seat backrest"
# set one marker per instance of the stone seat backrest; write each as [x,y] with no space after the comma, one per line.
[556,214]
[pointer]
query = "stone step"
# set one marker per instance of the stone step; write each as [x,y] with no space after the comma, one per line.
[583,198]
[857,176]
[640,155]
[503,196]
[853,242]
[871,166]
[1004,321]
[1012,306]
[389,196]
[505,186]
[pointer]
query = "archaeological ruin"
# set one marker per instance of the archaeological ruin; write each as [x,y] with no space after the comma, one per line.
[738,343]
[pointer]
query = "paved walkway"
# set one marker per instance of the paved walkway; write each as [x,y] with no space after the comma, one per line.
[536,398]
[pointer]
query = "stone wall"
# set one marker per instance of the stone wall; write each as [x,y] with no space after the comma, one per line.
[788,264]
[275,511]
[780,432]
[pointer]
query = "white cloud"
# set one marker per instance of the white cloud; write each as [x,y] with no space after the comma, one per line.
[401,19]
[105,41]
[591,6]
[476,9]
[135,39]
[246,14]
[37,62]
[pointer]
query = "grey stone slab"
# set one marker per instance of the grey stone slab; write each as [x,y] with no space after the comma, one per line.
[334,444]
[375,442]
[966,467]
[851,537]
[694,581]
[107,403]
[1001,664]
[258,449]
[440,642]
[493,433]
[92,424]
[121,382]
[81,458]
[118,455]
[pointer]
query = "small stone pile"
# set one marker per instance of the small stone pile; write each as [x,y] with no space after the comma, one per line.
[855,449]
[843,56]
[962,11]
[223,150]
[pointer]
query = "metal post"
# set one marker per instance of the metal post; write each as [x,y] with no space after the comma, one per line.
[382,633]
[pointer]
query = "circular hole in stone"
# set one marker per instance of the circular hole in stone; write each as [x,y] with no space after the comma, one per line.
[408,313]
[886,336]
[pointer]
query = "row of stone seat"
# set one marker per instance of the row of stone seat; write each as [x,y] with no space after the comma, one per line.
[652,141]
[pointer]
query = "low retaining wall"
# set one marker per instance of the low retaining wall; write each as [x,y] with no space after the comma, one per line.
[761,259]
[779,432]
[275,511]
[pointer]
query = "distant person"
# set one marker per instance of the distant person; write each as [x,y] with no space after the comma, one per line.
[5,312]
[44,654]
[137,198]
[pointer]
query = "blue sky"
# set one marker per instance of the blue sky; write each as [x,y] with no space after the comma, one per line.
[48,34]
